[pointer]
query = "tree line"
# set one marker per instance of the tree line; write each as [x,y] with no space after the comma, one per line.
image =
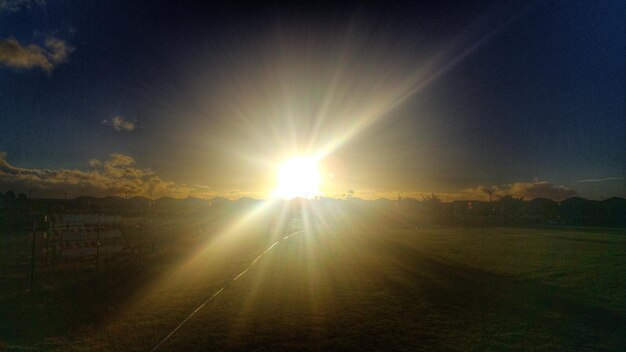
[18,211]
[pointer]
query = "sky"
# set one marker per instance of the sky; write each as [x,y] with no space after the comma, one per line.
[178,98]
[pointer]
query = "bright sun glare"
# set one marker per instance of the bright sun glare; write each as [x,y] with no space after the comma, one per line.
[298,177]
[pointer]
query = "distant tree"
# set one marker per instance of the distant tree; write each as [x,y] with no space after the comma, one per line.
[9,195]
[432,199]
[550,212]
[510,206]
[431,202]
[9,213]
[432,207]
[616,211]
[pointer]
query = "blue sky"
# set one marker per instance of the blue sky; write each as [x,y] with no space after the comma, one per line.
[444,98]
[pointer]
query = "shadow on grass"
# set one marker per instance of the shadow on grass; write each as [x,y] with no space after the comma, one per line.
[498,311]
[85,300]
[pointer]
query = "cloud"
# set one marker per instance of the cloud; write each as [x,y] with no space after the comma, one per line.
[95,163]
[58,50]
[16,5]
[54,52]
[602,179]
[120,124]
[118,175]
[528,190]
[541,189]
[120,160]
[372,194]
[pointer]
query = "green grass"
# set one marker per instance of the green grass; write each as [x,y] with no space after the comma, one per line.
[358,289]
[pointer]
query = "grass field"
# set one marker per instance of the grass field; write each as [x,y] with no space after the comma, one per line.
[359,289]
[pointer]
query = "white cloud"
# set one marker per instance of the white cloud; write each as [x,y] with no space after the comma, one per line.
[95,163]
[602,179]
[119,123]
[54,52]
[16,5]
[58,49]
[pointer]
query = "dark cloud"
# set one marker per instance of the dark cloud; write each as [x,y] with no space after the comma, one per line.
[118,175]
[528,190]
[540,189]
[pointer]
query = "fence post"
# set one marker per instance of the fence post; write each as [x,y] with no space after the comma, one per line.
[98,246]
[32,258]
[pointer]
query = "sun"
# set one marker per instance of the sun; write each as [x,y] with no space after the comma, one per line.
[298,177]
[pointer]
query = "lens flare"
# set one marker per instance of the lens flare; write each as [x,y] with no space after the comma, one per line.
[298,177]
